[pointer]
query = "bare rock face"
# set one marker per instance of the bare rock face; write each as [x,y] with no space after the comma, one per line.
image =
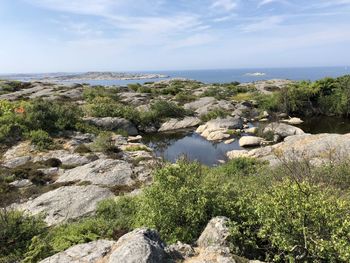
[218,129]
[89,253]
[67,202]
[283,130]
[141,246]
[215,233]
[114,123]
[318,149]
[175,124]
[101,172]
[206,104]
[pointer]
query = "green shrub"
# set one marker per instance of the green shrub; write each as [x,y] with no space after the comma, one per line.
[164,109]
[302,221]
[90,93]
[52,116]
[106,107]
[104,143]
[16,232]
[216,113]
[175,204]
[41,139]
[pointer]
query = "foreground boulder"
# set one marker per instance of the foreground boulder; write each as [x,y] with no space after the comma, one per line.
[141,245]
[282,130]
[318,149]
[67,202]
[218,129]
[113,124]
[175,124]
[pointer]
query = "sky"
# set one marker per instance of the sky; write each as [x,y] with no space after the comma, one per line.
[150,35]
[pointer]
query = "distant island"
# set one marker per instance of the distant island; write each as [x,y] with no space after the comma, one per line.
[104,76]
[256,74]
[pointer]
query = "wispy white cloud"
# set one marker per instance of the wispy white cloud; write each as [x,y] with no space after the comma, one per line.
[267,2]
[264,23]
[226,5]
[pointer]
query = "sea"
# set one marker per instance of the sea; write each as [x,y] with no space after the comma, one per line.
[214,75]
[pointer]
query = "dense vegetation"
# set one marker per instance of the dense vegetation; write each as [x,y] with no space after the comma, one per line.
[277,214]
[329,96]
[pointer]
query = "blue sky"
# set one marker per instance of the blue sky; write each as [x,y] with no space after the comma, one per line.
[121,35]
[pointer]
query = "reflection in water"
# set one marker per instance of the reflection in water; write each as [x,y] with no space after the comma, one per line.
[324,124]
[171,146]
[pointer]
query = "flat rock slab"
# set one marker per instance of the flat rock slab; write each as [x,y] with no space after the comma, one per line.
[101,172]
[175,124]
[65,203]
[89,252]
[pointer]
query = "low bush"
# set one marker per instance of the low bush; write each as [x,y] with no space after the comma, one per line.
[216,113]
[41,140]
[16,233]
[104,143]
[90,93]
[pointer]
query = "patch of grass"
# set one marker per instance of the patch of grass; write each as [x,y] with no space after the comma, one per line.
[135,148]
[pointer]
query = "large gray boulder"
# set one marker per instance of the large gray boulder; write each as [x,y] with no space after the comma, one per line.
[139,246]
[113,123]
[67,202]
[175,124]
[318,149]
[90,252]
[101,172]
[282,130]
[217,129]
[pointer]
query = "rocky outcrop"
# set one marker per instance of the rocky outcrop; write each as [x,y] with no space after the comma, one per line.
[217,129]
[113,124]
[101,172]
[145,246]
[65,203]
[48,91]
[250,141]
[282,130]
[207,104]
[90,252]
[317,148]
[134,98]
[175,124]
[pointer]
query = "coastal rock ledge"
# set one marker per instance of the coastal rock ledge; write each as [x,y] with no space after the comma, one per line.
[318,149]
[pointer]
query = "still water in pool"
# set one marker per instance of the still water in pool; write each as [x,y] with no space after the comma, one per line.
[171,146]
